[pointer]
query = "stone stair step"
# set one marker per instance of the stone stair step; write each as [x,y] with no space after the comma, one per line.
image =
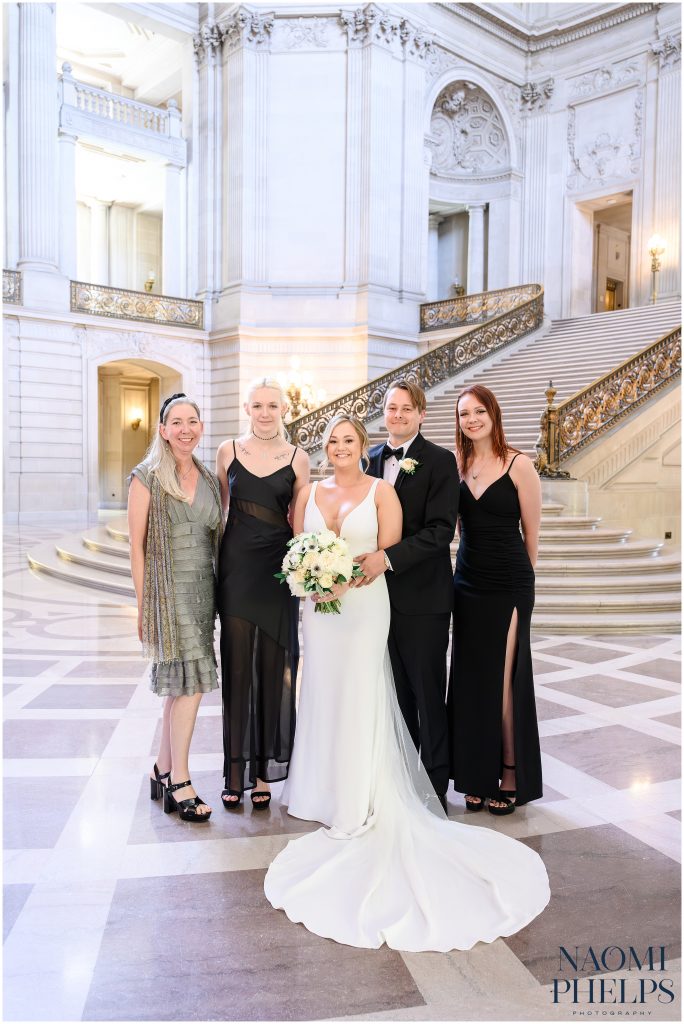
[616,624]
[118,529]
[619,583]
[71,549]
[99,539]
[645,566]
[44,559]
[605,604]
[617,551]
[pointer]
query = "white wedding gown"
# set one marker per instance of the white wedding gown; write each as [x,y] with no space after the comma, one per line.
[391,867]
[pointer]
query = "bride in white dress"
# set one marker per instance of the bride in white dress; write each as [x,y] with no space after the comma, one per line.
[390,867]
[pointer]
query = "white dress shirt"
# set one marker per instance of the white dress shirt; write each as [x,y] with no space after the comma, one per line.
[390,469]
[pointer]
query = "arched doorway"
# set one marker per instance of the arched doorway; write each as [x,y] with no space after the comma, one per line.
[129,393]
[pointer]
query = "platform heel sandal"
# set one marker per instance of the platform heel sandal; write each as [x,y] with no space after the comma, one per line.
[260,805]
[504,796]
[470,806]
[157,786]
[187,809]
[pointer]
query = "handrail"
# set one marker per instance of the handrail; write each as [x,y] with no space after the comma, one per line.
[428,370]
[124,304]
[567,428]
[469,309]
[11,287]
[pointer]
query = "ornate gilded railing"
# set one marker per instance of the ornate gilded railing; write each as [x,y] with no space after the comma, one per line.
[427,370]
[122,304]
[11,287]
[579,420]
[471,309]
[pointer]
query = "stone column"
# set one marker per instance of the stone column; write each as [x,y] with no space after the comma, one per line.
[207,159]
[122,267]
[99,241]
[172,230]
[434,220]
[476,247]
[67,203]
[38,163]
[667,191]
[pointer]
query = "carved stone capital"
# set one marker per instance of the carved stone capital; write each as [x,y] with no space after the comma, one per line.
[536,95]
[371,24]
[247,28]
[207,43]
[668,51]
[416,43]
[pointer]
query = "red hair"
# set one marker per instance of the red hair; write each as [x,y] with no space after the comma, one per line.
[464,446]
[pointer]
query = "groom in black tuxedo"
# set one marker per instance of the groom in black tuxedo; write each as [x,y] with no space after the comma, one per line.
[419,572]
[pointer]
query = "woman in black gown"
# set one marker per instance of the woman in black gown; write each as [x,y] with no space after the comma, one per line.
[494,741]
[260,475]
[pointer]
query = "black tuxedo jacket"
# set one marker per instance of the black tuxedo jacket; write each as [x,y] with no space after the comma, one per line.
[421,579]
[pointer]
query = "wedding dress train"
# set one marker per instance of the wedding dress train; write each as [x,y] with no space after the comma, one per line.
[390,867]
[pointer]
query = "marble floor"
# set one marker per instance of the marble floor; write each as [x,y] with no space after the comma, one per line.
[115,911]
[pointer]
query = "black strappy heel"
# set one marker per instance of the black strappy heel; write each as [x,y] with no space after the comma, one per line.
[260,805]
[505,796]
[187,809]
[157,786]
[470,806]
[231,805]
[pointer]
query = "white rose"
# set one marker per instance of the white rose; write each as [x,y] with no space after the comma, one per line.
[326,581]
[310,559]
[326,538]
[296,589]
[299,575]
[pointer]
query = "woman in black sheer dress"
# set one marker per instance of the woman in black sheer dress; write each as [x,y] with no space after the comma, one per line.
[260,475]
[494,741]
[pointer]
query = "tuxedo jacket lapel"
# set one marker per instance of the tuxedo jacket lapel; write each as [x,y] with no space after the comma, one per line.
[411,452]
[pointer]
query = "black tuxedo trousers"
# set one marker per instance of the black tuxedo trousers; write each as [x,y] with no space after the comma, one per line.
[420,587]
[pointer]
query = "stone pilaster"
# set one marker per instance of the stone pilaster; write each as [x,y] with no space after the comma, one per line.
[476,247]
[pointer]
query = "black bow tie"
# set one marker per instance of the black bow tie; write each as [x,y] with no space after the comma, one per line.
[388,452]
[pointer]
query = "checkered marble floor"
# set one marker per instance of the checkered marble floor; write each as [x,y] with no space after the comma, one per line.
[115,911]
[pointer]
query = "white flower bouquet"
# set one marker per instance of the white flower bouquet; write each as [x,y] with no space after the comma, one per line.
[314,564]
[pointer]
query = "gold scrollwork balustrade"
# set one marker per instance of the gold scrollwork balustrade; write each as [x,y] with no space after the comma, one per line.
[11,287]
[122,304]
[470,309]
[428,370]
[575,423]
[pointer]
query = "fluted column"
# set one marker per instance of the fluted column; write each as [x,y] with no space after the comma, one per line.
[67,203]
[434,220]
[38,209]
[476,242]
[667,205]
[172,230]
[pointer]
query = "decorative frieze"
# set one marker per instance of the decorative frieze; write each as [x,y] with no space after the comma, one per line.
[604,79]
[606,156]
[668,51]
[299,33]
[467,135]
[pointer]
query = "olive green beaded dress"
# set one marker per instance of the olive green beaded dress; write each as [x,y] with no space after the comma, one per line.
[194,583]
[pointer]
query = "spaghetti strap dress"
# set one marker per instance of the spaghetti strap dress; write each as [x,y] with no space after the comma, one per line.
[494,576]
[259,623]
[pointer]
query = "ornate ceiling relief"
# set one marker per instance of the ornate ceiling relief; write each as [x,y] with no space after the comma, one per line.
[467,135]
[602,157]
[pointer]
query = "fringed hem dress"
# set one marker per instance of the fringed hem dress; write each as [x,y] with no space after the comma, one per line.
[194,585]
[493,578]
[259,623]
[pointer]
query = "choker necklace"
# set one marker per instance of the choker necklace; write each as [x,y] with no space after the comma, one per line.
[272,438]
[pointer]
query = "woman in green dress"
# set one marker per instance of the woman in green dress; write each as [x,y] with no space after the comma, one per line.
[175,523]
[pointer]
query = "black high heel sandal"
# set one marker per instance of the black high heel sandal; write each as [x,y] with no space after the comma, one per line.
[157,786]
[505,796]
[260,805]
[231,805]
[187,809]
[470,806]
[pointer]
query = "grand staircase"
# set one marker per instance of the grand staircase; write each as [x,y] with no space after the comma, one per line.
[590,579]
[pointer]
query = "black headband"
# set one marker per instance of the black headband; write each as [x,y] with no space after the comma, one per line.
[168,401]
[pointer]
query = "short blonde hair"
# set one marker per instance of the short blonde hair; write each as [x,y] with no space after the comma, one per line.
[418,399]
[359,429]
[274,383]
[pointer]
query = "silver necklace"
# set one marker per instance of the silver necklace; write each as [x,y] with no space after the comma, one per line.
[183,476]
[475,475]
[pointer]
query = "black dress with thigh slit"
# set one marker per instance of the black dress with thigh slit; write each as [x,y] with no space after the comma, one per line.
[259,621]
[493,577]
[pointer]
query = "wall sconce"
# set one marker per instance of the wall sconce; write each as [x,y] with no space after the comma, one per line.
[136,419]
[656,248]
[149,283]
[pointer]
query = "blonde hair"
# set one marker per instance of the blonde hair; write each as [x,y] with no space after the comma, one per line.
[159,457]
[417,394]
[359,429]
[274,383]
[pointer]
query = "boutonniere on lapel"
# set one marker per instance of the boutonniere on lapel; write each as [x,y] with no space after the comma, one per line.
[409,466]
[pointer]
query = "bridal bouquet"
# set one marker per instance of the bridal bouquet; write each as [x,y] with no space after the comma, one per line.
[314,564]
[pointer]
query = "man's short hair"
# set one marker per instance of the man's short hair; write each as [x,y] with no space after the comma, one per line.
[415,391]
